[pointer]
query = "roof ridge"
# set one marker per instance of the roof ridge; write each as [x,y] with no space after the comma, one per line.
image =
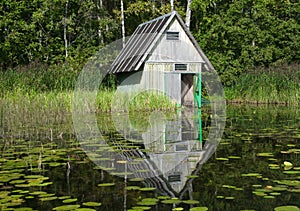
[158,18]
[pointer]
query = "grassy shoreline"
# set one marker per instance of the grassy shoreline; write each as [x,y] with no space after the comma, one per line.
[52,87]
[274,85]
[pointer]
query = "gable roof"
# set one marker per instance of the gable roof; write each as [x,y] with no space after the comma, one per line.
[144,39]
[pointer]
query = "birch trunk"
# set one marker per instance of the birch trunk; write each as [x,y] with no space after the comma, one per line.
[99,7]
[188,14]
[123,23]
[65,30]
[172,5]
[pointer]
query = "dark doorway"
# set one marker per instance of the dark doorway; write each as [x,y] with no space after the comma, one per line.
[187,89]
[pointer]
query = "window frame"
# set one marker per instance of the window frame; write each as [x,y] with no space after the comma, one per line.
[172,35]
[180,67]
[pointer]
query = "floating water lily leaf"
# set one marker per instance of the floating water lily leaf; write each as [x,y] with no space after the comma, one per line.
[48,198]
[287,208]
[163,197]
[17,181]
[141,208]
[69,200]
[106,184]
[23,209]
[177,209]
[121,173]
[67,207]
[148,202]
[234,157]
[64,197]
[265,154]
[222,159]
[133,188]
[136,179]
[288,182]
[199,209]
[92,204]
[192,176]
[171,201]
[29,197]
[85,209]
[279,188]
[191,202]
[291,172]
[228,186]
[251,175]
[229,197]
[275,194]
[269,197]
[294,190]
[286,163]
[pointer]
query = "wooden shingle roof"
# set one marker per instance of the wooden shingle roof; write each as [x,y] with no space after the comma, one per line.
[144,40]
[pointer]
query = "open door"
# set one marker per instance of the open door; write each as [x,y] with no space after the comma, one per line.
[187,89]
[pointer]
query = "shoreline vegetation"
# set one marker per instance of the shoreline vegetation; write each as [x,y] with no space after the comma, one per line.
[52,88]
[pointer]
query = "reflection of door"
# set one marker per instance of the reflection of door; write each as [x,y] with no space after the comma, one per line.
[187,96]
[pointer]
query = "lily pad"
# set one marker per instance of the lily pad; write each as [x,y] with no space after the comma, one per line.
[67,207]
[191,202]
[147,189]
[148,202]
[199,209]
[251,175]
[106,184]
[286,208]
[222,159]
[265,154]
[69,200]
[171,201]
[48,198]
[92,204]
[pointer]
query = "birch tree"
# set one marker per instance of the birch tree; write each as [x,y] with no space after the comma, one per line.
[188,14]
[65,19]
[99,7]
[172,5]
[123,23]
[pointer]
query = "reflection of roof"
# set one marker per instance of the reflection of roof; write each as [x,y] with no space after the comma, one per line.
[143,41]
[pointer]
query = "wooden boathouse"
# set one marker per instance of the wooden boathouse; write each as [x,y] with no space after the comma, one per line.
[163,55]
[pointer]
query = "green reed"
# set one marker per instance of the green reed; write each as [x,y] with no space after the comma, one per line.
[268,86]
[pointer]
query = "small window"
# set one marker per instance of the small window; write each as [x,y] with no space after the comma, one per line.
[172,35]
[174,178]
[181,67]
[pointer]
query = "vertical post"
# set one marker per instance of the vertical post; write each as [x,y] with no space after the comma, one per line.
[200,126]
[197,90]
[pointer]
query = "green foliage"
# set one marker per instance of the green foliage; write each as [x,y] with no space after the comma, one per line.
[239,35]
[34,30]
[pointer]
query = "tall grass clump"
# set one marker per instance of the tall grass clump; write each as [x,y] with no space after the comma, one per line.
[145,101]
[38,78]
[273,85]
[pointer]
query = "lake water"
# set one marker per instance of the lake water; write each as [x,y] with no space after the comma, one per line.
[151,161]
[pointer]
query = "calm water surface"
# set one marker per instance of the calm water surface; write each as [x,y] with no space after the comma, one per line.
[152,161]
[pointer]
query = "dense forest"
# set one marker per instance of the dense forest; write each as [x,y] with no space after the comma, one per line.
[235,35]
